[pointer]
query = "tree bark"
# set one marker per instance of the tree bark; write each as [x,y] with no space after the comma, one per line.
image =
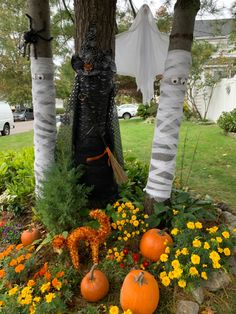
[170,111]
[43,91]
[103,14]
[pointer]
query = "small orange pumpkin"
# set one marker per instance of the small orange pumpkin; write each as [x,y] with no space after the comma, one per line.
[94,286]
[153,243]
[29,236]
[139,292]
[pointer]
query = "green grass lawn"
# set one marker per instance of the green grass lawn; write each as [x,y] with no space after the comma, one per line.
[213,169]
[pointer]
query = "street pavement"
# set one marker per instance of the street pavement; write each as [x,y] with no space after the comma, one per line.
[22,126]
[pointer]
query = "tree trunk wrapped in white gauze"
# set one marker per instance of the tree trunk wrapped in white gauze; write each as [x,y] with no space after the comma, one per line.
[169,116]
[43,92]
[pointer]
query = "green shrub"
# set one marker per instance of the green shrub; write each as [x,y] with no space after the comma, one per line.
[60,110]
[17,180]
[146,111]
[227,121]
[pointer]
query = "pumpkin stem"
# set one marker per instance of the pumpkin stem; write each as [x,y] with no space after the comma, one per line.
[91,277]
[140,278]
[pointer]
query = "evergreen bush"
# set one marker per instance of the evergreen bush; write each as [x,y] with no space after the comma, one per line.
[227,121]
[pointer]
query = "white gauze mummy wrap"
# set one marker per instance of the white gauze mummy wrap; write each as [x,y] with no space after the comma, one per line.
[169,116]
[43,92]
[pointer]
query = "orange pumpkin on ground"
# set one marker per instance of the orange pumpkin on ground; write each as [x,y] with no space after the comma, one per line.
[29,236]
[139,292]
[153,243]
[94,286]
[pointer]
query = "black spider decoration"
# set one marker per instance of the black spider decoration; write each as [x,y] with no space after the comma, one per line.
[31,38]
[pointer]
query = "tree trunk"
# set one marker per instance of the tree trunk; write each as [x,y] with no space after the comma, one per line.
[172,93]
[43,91]
[94,112]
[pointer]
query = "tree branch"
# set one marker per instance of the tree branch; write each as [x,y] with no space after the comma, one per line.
[133,9]
[68,11]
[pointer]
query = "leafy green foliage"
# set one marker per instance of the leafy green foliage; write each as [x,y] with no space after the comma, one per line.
[62,205]
[227,121]
[146,111]
[16,180]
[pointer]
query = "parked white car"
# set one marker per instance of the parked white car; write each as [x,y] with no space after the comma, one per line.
[6,118]
[127,111]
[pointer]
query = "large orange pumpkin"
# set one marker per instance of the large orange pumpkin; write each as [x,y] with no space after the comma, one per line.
[29,236]
[94,286]
[139,292]
[153,243]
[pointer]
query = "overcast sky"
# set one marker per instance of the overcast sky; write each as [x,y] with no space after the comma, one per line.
[155,4]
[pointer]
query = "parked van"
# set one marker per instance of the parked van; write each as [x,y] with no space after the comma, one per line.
[6,118]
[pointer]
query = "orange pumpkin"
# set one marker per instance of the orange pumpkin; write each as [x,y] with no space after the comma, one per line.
[139,292]
[29,236]
[94,286]
[153,243]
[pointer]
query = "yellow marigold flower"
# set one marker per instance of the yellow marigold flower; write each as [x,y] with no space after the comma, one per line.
[137,232]
[165,281]
[206,245]
[123,215]
[119,259]
[204,265]
[136,223]
[116,204]
[109,251]
[175,231]
[216,265]
[45,287]
[19,268]
[214,256]
[119,238]
[227,251]
[144,230]
[175,212]
[2,303]
[122,222]
[198,225]
[2,273]
[177,272]
[162,274]
[56,284]
[134,217]
[49,297]
[128,312]
[204,275]
[193,271]
[31,283]
[171,275]
[182,283]
[113,309]
[37,299]
[25,291]
[145,216]
[125,239]
[128,235]
[212,229]
[178,252]
[28,299]
[164,258]
[234,230]
[20,258]
[114,249]
[32,309]
[114,226]
[167,250]
[117,254]
[219,239]
[226,234]
[119,209]
[120,228]
[13,262]
[196,243]
[175,263]
[190,225]
[184,251]
[195,259]
[13,291]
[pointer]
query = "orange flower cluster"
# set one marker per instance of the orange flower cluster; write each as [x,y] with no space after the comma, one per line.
[92,236]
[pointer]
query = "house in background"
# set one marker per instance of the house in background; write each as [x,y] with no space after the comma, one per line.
[222,67]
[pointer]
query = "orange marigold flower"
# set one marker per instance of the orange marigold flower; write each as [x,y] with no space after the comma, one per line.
[60,274]
[27,256]
[2,273]
[13,262]
[19,246]
[47,275]
[31,248]
[19,268]
[20,258]
[43,269]
[56,284]
[31,283]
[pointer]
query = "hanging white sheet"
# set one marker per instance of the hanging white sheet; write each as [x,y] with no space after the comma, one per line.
[141,52]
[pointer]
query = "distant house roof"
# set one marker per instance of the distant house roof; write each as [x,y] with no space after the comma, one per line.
[213,28]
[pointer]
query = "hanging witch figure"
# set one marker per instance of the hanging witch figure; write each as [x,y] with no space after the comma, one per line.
[95,126]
